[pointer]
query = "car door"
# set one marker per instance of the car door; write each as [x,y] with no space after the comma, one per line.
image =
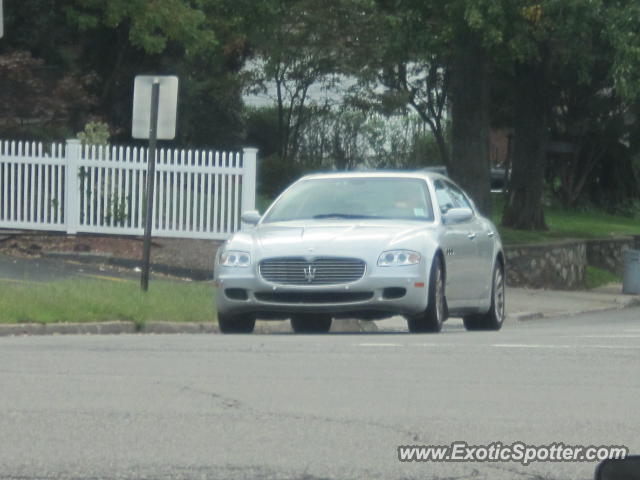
[474,260]
[458,248]
[486,252]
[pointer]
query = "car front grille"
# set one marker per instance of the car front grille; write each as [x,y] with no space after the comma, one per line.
[315,271]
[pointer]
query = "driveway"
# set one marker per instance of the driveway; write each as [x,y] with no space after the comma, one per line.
[36,269]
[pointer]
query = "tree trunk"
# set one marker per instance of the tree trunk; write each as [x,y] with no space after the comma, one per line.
[523,209]
[469,161]
[443,149]
[282,141]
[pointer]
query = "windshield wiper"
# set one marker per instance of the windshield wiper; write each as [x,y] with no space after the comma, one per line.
[345,215]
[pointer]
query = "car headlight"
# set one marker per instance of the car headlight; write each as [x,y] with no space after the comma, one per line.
[234,258]
[398,258]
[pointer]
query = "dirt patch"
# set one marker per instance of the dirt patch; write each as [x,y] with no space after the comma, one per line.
[182,253]
[34,244]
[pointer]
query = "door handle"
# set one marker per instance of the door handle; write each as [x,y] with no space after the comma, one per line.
[490,234]
[471,235]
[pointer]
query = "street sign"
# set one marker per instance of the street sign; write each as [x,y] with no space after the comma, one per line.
[167,107]
[155,103]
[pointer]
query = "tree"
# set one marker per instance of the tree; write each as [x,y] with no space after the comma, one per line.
[149,26]
[400,66]
[123,38]
[470,164]
[589,123]
[34,100]
[553,38]
[291,58]
[430,55]
[347,139]
[202,41]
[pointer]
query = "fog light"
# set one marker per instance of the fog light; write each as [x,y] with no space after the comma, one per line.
[393,293]
[236,294]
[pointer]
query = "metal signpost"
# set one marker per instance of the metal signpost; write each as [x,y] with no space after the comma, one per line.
[155,101]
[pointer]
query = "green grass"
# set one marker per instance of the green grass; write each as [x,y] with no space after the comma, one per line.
[93,300]
[568,224]
[596,277]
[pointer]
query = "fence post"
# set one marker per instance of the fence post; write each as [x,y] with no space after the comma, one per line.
[71,203]
[249,161]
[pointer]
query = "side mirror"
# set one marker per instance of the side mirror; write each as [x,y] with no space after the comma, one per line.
[619,469]
[252,217]
[457,215]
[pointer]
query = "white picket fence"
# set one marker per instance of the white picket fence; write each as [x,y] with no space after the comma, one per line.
[74,188]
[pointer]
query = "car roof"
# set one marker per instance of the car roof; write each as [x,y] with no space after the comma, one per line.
[419,174]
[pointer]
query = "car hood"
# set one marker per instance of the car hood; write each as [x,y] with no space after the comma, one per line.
[322,237]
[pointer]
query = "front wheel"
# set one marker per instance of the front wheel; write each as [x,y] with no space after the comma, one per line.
[243,323]
[494,318]
[431,320]
[311,323]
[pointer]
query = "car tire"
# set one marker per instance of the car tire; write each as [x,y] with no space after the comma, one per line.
[494,318]
[431,320]
[243,323]
[311,323]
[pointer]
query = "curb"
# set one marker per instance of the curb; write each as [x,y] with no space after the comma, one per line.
[105,328]
[108,259]
[630,302]
[163,328]
[525,316]
[97,328]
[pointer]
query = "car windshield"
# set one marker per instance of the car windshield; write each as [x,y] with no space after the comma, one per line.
[354,198]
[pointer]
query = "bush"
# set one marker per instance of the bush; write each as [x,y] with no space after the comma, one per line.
[94,133]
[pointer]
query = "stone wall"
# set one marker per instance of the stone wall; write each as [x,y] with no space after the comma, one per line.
[560,265]
[608,254]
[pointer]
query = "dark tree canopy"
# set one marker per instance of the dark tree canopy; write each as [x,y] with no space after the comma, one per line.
[553,72]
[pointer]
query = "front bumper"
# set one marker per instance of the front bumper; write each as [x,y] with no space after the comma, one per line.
[381,292]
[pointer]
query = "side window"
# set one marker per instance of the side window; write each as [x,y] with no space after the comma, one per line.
[445,201]
[459,198]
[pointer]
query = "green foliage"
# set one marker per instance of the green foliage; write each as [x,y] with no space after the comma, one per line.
[103,45]
[276,174]
[346,139]
[342,138]
[263,202]
[94,133]
[36,104]
[294,53]
[262,129]
[65,63]
[116,214]
[150,25]
[39,27]
[210,108]
[621,30]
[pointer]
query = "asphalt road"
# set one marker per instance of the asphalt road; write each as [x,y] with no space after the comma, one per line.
[37,269]
[315,407]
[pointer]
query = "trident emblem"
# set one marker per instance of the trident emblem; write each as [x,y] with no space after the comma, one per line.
[309,273]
